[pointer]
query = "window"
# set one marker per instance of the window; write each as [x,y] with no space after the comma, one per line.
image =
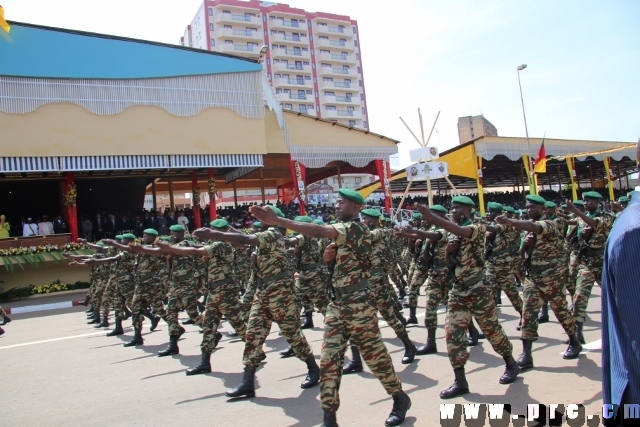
[357,179]
[274,46]
[326,93]
[365,125]
[303,108]
[276,61]
[227,27]
[327,79]
[277,76]
[274,32]
[306,62]
[289,106]
[330,108]
[307,77]
[272,18]
[360,83]
[303,35]
[352,123]
[210,12]
[210,27]
[278,90]
[324,38]
[310,106]
[364,110]
[213,42]
[305,49]
[326,65]
[355,43]
[228,42]
[362,97]
[309,92]
[325,51]
[359,70]
[357,56]
[287,91]
[335,180]
[226,11]
[354,30]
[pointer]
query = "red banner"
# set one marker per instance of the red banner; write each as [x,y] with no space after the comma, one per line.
[384,172]
[72,210]
[298,176]
[213,189]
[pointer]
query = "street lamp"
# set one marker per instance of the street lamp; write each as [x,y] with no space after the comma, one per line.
[532,188]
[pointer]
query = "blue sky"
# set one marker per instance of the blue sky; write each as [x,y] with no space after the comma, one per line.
[458,57]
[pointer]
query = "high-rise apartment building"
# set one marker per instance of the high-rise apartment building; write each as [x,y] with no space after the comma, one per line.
[313,58]
[472,127]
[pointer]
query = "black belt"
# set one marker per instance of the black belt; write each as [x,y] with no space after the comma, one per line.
[220,283]
[346,290]
[469,282]
[270,279]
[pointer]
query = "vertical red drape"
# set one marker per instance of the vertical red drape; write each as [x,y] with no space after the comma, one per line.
[298,176]
[72,210]
[196,207]
[383,169]
[213,211]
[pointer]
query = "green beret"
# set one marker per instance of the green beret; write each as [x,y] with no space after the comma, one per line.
[333,221]
[165,238]
[550,205]
[177,227]
[276,210]
[352,195]
[129,236]
[578,203]
[150,232]
[373,213]
[257,224]
[623,199]
[101,243]
[118,236]
[564,205]
[509,209]
[538,200]
[463,200]
[220,223]
[438,208]
[592,195]
[318,221]
[417,216]
[493,206]
[305,218]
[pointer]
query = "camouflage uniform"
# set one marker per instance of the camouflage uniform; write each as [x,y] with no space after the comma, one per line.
[274,301]
[110,275]
[572,249]
[351,316]
[499,265]
[98,282]
[223,295]
[241,265]
[395,250]
[590,259]
[310,285]
[419,274]
[470,297]
[543,281]
[182,290]
[438,281]
[148,287]
[125,285]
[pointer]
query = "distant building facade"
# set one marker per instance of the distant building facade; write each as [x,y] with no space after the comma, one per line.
[472,127]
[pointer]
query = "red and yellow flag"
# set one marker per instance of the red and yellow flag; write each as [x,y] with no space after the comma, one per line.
[3,24]
[540,165]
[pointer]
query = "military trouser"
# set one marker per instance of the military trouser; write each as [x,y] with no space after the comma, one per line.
[274,303]
[396,275]
[499,276]
[411,271]
[222,301]
[405,261]
[418,277]
[109,294]
[437,292]
[123,295]
[384,299]
[151,293]
[587,275]
[537,288]
[574,261]
[476,301]
[95,292]
[182,294]
[247,299]
[353,318]
[310,291]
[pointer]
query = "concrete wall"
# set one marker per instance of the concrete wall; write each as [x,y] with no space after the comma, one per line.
[46,274]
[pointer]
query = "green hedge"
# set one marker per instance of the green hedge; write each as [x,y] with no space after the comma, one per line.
[57,286]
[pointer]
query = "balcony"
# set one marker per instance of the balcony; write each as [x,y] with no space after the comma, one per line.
[336,57]
[286,97]
[232,18]
[286,38]
[341,114]
[335,44]
[291,82]
[339,100]
[346,32]
[333,71]
[233,34]
[281,23]
[238,49]
[284,67]
[290,53]
[339,86]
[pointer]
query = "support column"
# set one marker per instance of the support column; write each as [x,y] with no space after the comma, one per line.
[153,195]
[479,183]
[549,181]
[559,179]
[195,195]
[235,195]
[572,177]
[533,189]
[298,176]
[384,173]
[607,167]
[262,185]
[339,178]
[71,194]
[213,193]
[591,176]
[171,204]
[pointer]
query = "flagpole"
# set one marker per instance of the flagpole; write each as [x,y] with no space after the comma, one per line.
[532,187]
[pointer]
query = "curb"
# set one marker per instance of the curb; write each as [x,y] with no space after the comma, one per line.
[43,307]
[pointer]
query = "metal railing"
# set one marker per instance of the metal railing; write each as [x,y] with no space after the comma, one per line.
[335,29]
[241,18]
[343,98]
[291,81]
[290,52]
[249,33]
[342,84]
[297,96]
[344,112]
[336,43]
[243,48]
[339,56]
[292,24]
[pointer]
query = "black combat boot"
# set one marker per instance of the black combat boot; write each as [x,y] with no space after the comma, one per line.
[95,318]
[5,320]
[574,348]
[511,370]
[89,310]
[403,290]
[519,327]
[287,353]
[188,322]
[313,374]
[474,334]
[246,387]
[104,323]
[203,368]
[91,314]
[201,307]
[401,404]
[216,339]
[86,301]
[172,349]
[355,365]
[430,346]
[153,318]
[329,419]
[525,360]
[181,331]
[401,318]
[137,339]
[308,320]
[127,313]
[579,325]
[412,319]
[117,330]
[497,297]
[543,316]
[459,387]
[410,350]
[2,332]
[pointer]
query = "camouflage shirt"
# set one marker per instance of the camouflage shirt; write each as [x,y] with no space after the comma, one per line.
[440,249]
[380,247]
[272,257]
[148,267]
[545,252]
[183,267]
[505,243]
[220,263]
[127,268]
[353,258]
[471,254]
[309,252]
[598,238]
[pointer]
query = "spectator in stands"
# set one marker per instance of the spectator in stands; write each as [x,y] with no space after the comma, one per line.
[5,227]
[183,220]
[162,224]
[87,229]
[59,225]
[30,229]
[99,226]
[45,227]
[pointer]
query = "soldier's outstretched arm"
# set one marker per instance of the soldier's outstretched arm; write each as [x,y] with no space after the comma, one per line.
[233,238]
[529,226]
[593,223]
[450,226]
[267,216]
[115,244]
[167,248]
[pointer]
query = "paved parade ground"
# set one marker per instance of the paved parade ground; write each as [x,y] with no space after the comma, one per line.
[57,370]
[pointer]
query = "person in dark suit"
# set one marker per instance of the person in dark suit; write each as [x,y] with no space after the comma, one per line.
[112,227]
[620,320]
[59,225]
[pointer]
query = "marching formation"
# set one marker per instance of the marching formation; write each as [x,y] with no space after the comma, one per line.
[283,269]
